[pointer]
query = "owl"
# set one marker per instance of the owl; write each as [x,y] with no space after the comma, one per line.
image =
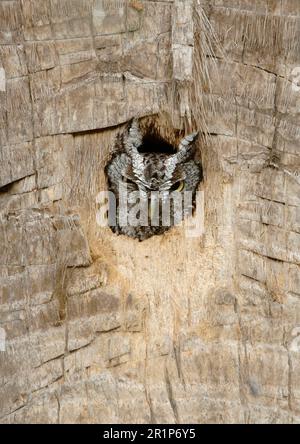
[144,183]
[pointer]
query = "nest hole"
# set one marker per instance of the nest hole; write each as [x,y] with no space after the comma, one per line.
[154,143]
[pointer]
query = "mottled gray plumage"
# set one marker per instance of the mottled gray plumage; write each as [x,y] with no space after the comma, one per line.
[147,172]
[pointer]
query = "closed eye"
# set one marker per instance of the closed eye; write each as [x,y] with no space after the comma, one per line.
[129,181]
[178,186]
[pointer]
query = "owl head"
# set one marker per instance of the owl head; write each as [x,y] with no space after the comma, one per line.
[150,177]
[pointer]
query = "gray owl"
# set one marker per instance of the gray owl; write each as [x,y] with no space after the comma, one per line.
[145,180]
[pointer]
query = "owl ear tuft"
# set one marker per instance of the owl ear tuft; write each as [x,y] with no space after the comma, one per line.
[133,138]
[185,146]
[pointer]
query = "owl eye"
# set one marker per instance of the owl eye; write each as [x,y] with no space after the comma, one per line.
[128,181]
[178,186]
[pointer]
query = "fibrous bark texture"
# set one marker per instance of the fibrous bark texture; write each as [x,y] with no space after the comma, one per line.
[101,328]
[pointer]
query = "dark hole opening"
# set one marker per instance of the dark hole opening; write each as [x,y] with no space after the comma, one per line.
[153,143]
